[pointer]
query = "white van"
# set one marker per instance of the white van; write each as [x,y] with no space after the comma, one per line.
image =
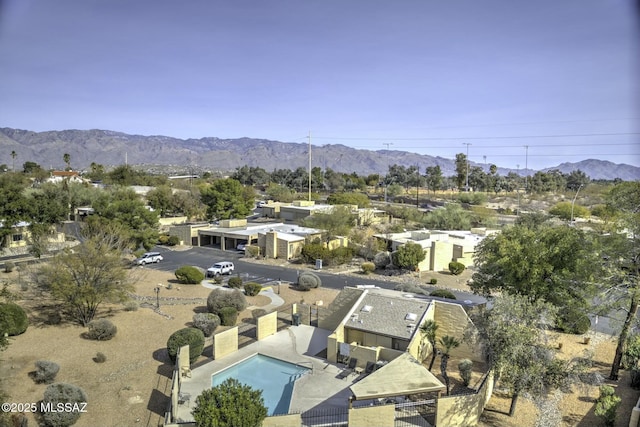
[148,258]
[220,268]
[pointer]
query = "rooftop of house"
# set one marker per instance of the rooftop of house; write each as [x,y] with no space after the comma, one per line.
[394,315]
[252,230]
[426,237]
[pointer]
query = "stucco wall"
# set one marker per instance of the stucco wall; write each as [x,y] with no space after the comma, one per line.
[634,420]
[225,343]
[441,255]
[382,416]
[266,325]
[172,220]
[453,320]
[464,410]
[292,420]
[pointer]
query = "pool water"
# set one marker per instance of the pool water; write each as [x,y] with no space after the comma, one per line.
[273,376]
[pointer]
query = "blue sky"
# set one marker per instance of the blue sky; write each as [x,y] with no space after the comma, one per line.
[424,76]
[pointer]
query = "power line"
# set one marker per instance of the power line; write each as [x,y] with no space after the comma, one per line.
[575,135]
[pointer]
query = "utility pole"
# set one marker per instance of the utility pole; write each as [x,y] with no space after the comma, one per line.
[417,186]
[573,202]
[486,172]
[388,144]
[526,169]
[466,185]
[309,165]
[518,188]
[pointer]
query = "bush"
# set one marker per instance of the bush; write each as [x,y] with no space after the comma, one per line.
[573,321]
[62,393]
[456,268]
[228,316]
[100,358]
[46,371]
[408,256]
[341,255]
[9,266]
[189,275]
[206,322]
[192,337]
[258,312]
[13,319]
[411,287]
[465,366]
[173,241]
[220,298]
[253,251]
[442,293]
[102,330]
[252,289]
[368,267]
[382,259]
[607,405]
[131,306]
[217,280]
[235,282]
[308,280]
[163,239]
[313,251]
[433,281]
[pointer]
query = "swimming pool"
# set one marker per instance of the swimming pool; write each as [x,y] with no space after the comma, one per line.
[274,377]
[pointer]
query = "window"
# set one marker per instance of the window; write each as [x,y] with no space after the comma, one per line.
[18,237]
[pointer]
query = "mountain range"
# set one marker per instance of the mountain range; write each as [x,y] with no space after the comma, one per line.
[111,148]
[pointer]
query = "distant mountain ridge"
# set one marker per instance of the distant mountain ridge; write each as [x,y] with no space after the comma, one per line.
[112,148]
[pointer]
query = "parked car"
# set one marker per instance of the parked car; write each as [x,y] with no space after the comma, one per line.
[148,258]
[241,247]
[220,268]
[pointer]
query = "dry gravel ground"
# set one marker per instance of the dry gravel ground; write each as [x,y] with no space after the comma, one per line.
[131,387]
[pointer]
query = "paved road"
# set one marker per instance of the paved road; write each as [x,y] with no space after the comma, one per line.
[205,257]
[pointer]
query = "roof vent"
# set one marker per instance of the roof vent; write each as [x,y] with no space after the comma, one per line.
[411,317]
[366,308]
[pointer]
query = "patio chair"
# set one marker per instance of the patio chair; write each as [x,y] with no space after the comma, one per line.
[371,366]
[350,368]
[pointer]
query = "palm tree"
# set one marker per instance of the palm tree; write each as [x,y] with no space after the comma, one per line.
[66,157]
[428,330]
[448,343]
[13,157]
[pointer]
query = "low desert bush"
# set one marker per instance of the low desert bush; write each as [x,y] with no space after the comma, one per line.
[100,357]
[465,366]
[193,337]
[410,287]
[220,298]
[433,281]
[308,280]
[189,275]
[46,371]
[101,330]
[252,251]
[258,312]
[367,267]
[131,306]
[382,259]
[252,289]
[9,266]
[228,316]
[173,241]
[456,267]
[442,293]
[206,322]
[65,394]
[13,319]
[235,282]
[607,405]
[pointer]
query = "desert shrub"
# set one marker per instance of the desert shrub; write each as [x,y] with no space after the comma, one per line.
[218,280]
[408,256]
[465,367]
[173,241]
[456,267]
[193,337]
[341,255]
[316,250]
[252,288]
[607,405]
[206,322]
[189,275]
[219,298]
[442,293]
[101,330]
[9,266]
[472,198]
[163,239]
[573,321]
[308,280]
[62,393]
[410,287]
[46,371]
[100,357]
[228,316]
[368,267]
[235,282]
[433,281]
[131,306]
[253,251]
[258,312]
[382,259]
[13,319]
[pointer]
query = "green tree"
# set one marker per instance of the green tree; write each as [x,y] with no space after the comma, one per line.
[447,344]
[14,206]
[434,178]
[461,170]
[337,222]
[13,160]
[359,199]
[88,276]
[409,256]
[607,404]
[280,193]
[66,157]
[161,199]
[230,404]
[555,264]
[631,358]
[428,331]
[227,198]
[96,172]
[568,211]
[452,217]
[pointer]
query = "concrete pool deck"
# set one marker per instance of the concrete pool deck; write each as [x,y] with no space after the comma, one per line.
[323,387]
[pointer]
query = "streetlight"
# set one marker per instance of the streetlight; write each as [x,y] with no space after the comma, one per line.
[157,290]
[573,202]
[388,144]
[466,186]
